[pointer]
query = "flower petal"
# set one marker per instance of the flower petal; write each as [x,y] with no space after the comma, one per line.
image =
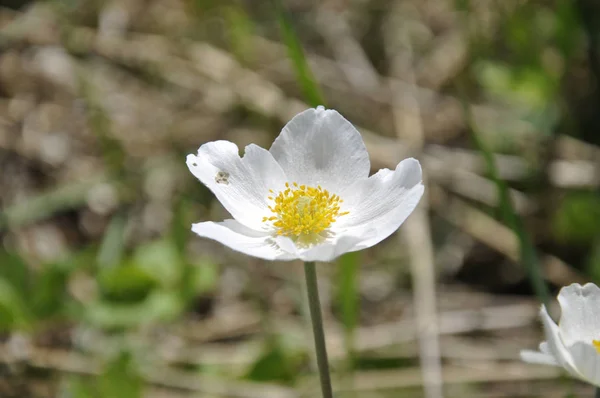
[381,203]
[587,360]
[538,357]
[326,251]
[242,239]
[544,348]
[555,345]
[320,147]
[580,313]
[241,184]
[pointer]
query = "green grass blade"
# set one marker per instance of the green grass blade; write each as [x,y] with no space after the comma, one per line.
[527,251]
[305,77]
[348,298]
[241,29]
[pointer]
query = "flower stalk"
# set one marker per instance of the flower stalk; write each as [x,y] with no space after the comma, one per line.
[314,304]
[597,393]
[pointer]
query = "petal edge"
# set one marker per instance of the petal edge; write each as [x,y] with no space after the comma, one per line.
[238,237]
[321,147]
[241,184]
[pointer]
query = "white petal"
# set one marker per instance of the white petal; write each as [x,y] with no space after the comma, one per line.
[555,346]
[580,313]
[320,147]
[587,361]
[241,184]
[325,252]
[538,357]
[381,203]
[242,239]
[544,348]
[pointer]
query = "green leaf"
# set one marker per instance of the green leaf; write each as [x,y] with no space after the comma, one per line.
[180,226]
[78,388]
[273,365]
[161,260]
[50,291]
[128,283]
[204,275]
[15,271]
[120,380]
[14,312]
[158,306]
[575,221]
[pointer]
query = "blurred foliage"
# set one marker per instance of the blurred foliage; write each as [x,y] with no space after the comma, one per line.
[118,380]
[277,363]
[306,79]
[28,296]
[576,219]
[123,281]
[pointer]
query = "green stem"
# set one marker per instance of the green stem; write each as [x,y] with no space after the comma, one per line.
[597,394]
[317,324]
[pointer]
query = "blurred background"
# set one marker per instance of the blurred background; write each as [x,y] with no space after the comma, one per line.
[104,290]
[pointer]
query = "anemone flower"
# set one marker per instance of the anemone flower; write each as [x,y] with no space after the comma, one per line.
[310,196]
[573,344]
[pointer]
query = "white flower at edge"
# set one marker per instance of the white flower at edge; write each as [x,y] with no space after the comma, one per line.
[310,196]
[573,344]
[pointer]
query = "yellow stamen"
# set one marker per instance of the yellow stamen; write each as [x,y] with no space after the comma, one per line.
[302,213]
[596,344]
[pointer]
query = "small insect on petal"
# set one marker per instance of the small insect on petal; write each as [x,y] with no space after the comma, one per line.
[222,178]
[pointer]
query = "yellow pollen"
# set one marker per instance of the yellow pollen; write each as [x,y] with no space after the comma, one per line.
[302,212]
[596,344]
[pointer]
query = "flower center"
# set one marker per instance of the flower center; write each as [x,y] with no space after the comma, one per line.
[596,344]
[303,213]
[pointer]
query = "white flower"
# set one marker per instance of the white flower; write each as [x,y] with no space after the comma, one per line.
[310,196]
[575,343]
